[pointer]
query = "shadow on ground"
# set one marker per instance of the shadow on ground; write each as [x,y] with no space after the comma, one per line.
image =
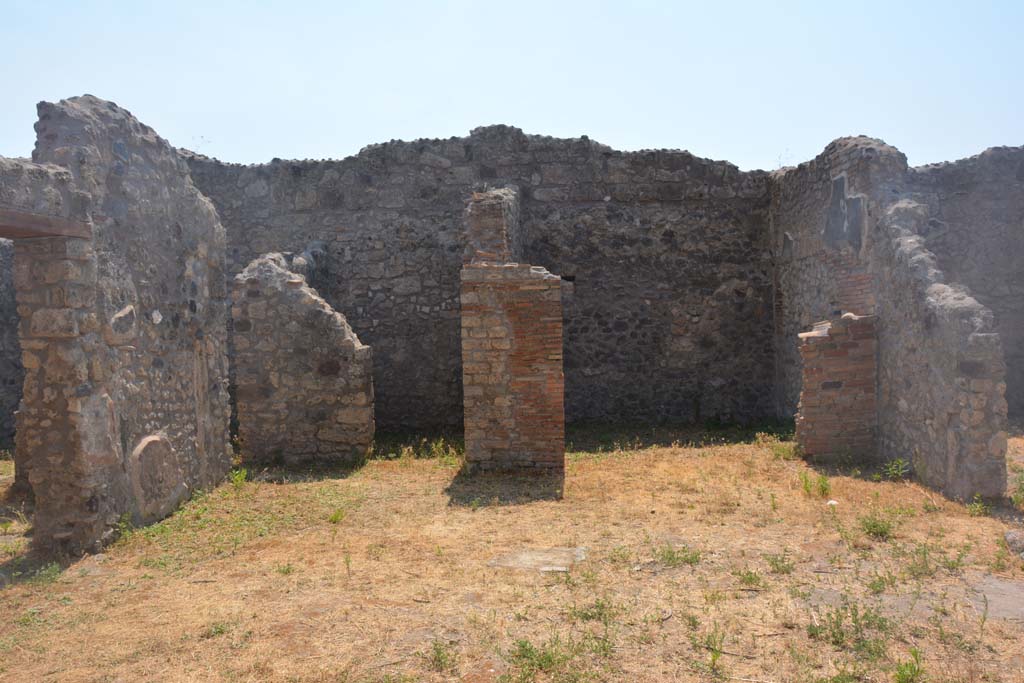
[604,437]
[20,563]
[480,489]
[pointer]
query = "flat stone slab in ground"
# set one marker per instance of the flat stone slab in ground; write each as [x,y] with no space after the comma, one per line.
[541,559]
[998,597]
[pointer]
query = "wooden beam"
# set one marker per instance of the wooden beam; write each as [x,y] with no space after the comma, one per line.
[16,224]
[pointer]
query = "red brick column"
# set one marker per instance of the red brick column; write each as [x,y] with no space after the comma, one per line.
[512,367]
[837,416]
[513,386]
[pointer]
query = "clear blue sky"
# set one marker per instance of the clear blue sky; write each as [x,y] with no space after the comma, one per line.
[760,84]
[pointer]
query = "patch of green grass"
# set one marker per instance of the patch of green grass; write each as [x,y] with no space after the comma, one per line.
[781,450]
[877,526]
[527,661]
[749,578]
[823,486]
[620,555]
[215,629]
[818,486]
[922,564]
[217,523]
[238,477]
[861,631]
[880,582]
[677,557]
[31,617]
[1001,559]
[714,643]
[441,657]
[955,564]
[805,483]
[978,507]
[47,574]
[337,516]
[285,569]
[448,449]
[601,610]
[1017,487]
[780,564]
[911,671]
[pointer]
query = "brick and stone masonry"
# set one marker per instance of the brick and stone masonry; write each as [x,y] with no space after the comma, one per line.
[120,290]
[511,348]
[304,381]
[837,415]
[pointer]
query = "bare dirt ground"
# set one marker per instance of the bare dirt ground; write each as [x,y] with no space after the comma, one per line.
[709,557]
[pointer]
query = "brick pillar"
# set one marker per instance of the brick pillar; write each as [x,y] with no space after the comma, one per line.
[492,227]
[64,444]
[513,385]
[837,416]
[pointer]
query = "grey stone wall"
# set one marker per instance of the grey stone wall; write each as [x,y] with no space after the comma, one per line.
[42,190]
[976,231]
[850,232]
[941,370]
[819,217]
[123,334]
[304,380]
[669,310]
[11,372]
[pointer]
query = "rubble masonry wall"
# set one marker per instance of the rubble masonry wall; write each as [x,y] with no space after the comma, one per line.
[304,381]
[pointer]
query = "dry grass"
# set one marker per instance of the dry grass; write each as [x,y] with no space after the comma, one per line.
[6,465]
[712,559]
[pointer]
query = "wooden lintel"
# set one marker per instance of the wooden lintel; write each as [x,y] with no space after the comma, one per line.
[16,224]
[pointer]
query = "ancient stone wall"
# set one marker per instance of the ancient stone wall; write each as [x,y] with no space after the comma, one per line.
[304,380]
[837,418]
[685,281]
[820,214]
[11,372]
[668,315]
[976,231]
[122,331]
[44,193]
[941,370]
[849,235]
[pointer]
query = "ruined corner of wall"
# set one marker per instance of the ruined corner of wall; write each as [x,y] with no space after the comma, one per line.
[304,380]
[942,375]
[122,325]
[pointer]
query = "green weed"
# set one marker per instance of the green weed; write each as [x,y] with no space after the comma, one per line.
[677,557]
[896,470]
[780,564]
[876,526]
[912,671]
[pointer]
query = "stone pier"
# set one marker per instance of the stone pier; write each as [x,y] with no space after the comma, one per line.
[837,415]
[511,348]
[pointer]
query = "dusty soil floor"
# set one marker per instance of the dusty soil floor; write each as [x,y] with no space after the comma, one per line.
[708,557]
